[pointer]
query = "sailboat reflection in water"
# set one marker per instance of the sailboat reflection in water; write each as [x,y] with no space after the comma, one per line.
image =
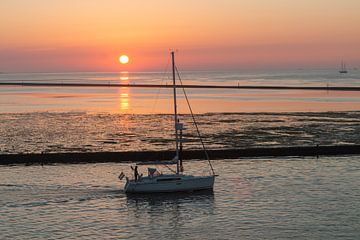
[155,181]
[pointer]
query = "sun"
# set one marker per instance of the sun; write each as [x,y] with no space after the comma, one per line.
[123,59]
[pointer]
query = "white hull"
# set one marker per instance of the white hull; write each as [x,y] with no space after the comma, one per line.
[170,183]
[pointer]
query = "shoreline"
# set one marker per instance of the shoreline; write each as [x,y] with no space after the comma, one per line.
[33,84]
[148,156]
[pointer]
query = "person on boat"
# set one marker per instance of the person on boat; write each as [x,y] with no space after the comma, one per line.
[136,173]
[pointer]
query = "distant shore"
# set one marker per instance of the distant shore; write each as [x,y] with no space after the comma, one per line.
[32,84]
[148,156]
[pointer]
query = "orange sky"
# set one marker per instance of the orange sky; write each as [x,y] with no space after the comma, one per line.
[89,35]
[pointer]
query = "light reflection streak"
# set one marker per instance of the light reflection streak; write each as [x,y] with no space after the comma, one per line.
[124,92]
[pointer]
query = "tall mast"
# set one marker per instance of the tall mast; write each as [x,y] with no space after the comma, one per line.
[175,114]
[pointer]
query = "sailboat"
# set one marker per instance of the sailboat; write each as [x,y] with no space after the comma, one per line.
[343,68]
[155,181]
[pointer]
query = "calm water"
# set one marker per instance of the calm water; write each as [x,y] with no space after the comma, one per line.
[277,198]
[140,100]
[297,198]
[37,119]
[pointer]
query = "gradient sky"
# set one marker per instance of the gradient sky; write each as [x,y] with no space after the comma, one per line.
[89,35]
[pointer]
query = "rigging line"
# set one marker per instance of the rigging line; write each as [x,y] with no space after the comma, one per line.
[159,89]
[195,123]
[170,168]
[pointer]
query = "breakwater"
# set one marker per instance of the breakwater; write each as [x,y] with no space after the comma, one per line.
[148,156]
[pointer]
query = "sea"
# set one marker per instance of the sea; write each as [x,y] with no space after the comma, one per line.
[253,198]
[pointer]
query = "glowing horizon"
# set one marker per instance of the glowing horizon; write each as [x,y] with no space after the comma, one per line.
[90,35]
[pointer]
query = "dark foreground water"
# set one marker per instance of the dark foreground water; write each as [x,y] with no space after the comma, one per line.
[282,198]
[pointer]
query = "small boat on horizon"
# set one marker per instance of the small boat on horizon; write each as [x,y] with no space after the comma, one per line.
[343,68]
[157,182]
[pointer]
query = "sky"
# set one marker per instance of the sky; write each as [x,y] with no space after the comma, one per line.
[90,35]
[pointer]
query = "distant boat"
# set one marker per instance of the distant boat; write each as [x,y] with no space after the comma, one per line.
[155,181]
[343,68]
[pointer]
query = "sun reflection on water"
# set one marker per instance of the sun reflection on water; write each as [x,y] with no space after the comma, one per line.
[124,100]
[124,92]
